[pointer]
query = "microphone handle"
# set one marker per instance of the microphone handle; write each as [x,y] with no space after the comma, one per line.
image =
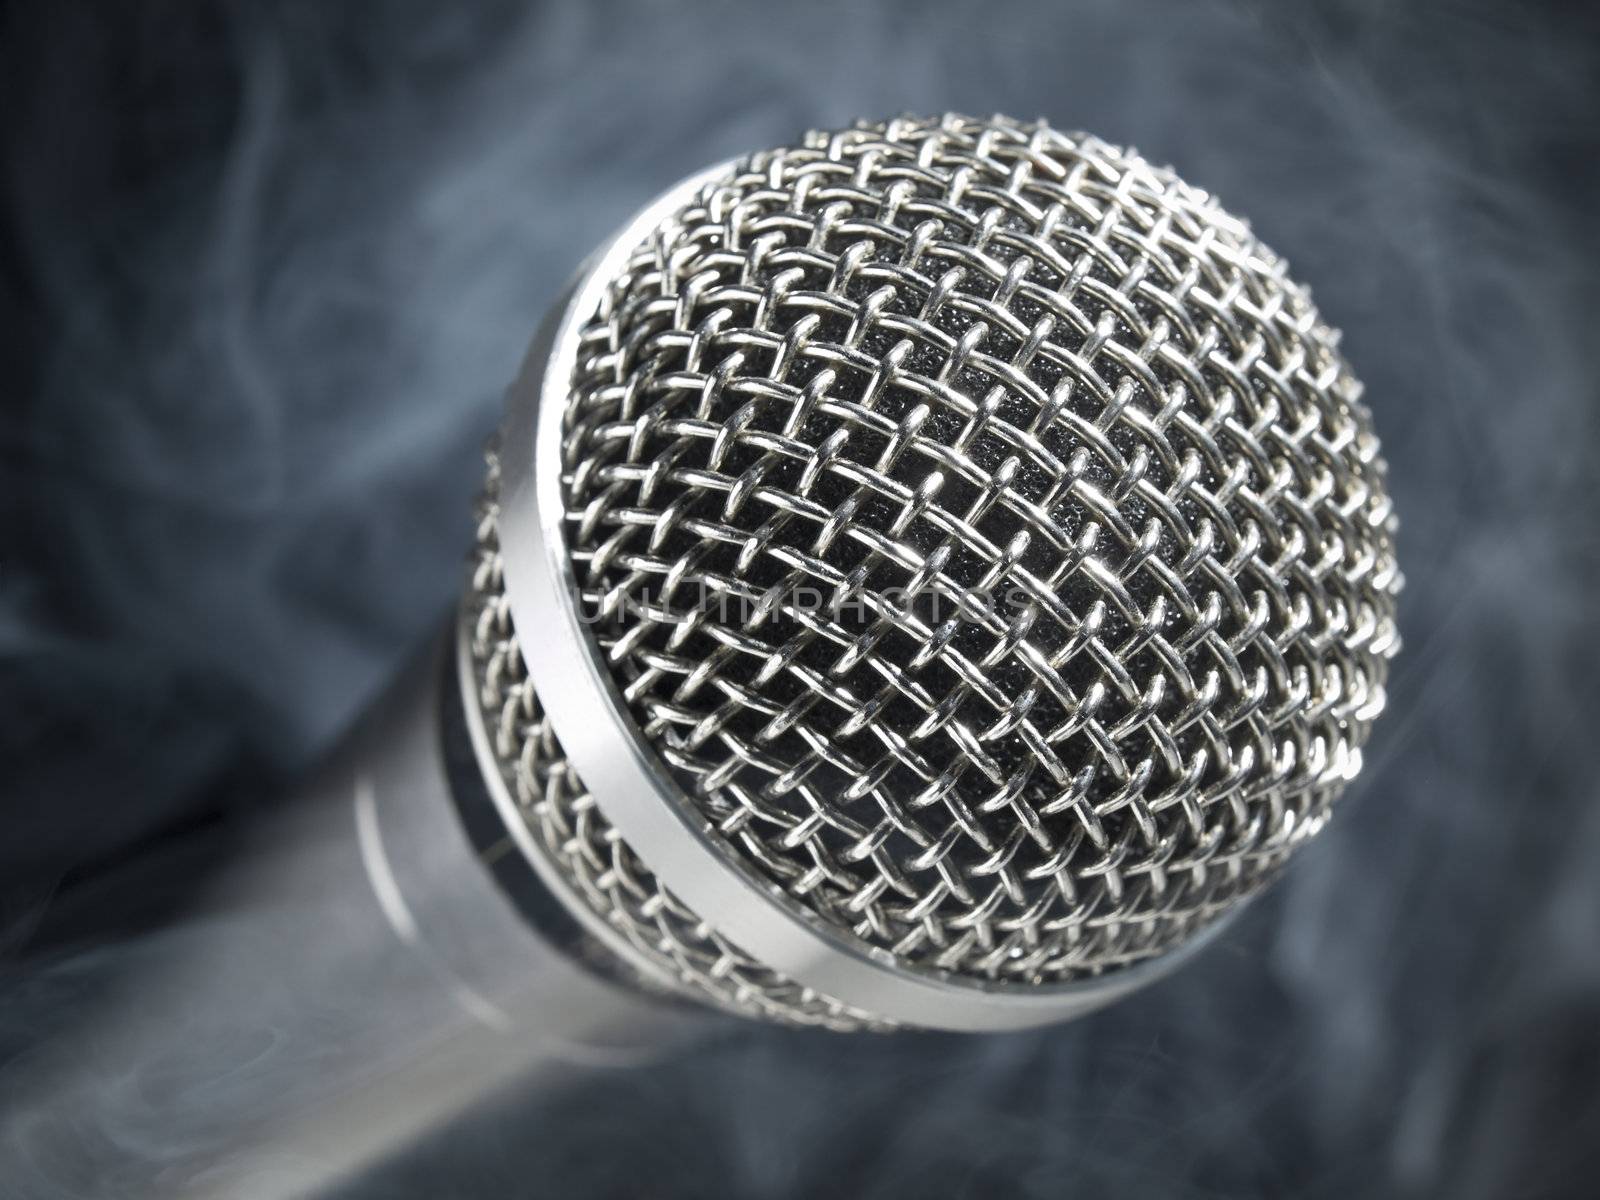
[351,976]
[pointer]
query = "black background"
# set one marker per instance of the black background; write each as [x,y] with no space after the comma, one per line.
[264,271]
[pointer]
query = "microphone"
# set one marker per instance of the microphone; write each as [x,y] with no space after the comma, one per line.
[952,569]
[931,575]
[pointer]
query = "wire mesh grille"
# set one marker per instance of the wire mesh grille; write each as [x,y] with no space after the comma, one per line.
[989,536]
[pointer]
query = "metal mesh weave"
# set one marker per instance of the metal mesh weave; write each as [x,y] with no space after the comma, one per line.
[988,535]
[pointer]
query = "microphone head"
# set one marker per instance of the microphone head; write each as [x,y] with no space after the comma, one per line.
[932,574]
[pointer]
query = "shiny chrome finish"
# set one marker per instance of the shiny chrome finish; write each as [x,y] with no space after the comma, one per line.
[1223,501]
[339,980]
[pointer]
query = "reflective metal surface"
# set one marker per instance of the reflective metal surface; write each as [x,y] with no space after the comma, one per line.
[351,979]
[1021,371]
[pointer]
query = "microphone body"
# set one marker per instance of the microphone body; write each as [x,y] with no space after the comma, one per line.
[342,976]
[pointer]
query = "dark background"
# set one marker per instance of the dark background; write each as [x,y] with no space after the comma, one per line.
[264,271]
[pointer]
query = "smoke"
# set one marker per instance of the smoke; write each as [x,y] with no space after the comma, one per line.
[270,267]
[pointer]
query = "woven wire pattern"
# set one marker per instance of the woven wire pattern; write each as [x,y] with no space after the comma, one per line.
[928,361]
[598,867]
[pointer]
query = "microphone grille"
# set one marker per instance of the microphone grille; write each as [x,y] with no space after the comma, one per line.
[988,536]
